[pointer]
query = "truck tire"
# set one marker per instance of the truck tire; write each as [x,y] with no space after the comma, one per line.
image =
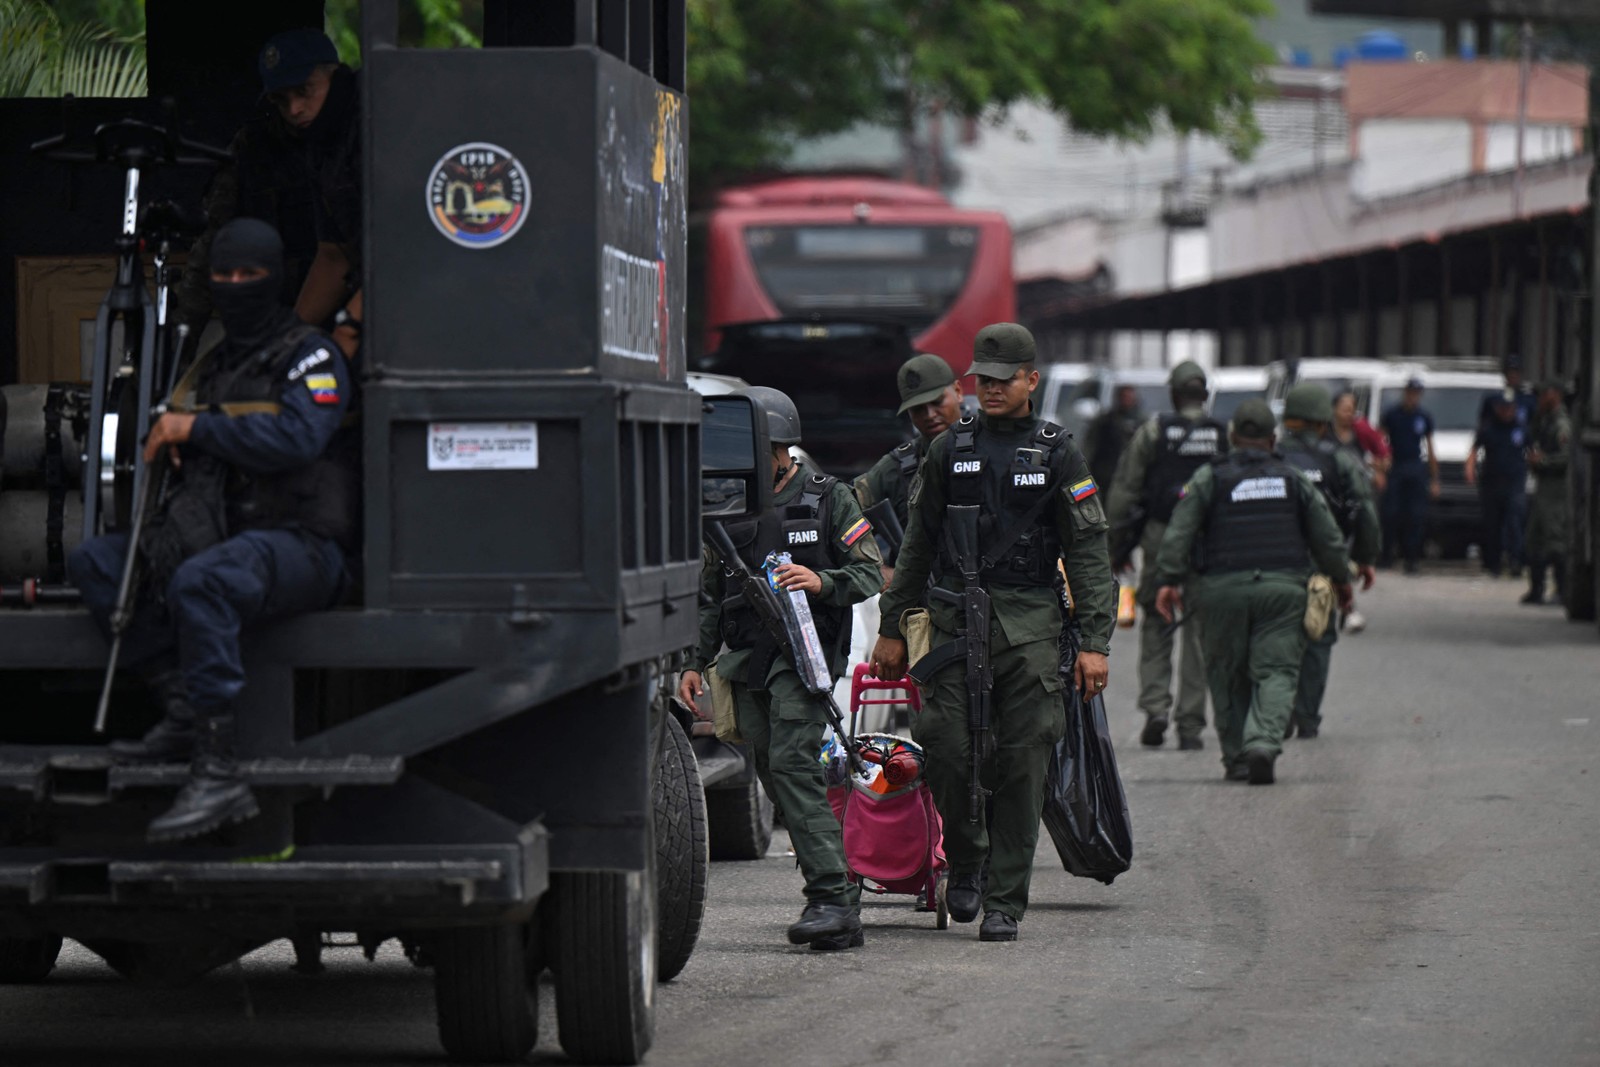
[683,858]
[740,821]
[605,967]
[26,960]
[486,1003]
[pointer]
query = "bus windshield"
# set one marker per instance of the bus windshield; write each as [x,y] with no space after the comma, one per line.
[908,274]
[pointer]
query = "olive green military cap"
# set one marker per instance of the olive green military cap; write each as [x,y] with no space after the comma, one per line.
[1000,350]
[1254,418]
[923,378]
[1186,372]
[1308,401]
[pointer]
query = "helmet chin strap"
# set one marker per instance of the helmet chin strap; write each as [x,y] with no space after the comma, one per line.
[783,471]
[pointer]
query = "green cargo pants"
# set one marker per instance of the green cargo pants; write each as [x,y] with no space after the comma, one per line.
[1254,640]
[1028,718]
[783,725]
[1547,521]
[1314,667]
[1155,651]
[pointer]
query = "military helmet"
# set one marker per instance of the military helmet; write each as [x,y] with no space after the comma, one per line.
[1185,373]
[1310,402]
[1254,419]
[783,420]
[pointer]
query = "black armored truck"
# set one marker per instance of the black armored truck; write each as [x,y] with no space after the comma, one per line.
[472,753]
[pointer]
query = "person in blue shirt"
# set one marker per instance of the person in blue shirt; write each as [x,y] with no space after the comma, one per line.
[1527,403]
[257,518]
[1502,482]
[1413,477]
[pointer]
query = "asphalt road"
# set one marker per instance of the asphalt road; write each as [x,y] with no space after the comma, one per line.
[1418,888]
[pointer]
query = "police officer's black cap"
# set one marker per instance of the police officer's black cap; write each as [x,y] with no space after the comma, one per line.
[1414,383]
[923,379]
[1000,350]
[288,58]
[1254,419]
[1513,361]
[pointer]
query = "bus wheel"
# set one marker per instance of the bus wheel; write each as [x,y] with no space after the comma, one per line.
[25,960]
[605,964]
[682,858]
[486,1004]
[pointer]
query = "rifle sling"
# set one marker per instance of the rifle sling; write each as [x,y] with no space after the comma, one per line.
[937,659]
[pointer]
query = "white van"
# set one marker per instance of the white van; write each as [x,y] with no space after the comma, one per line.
[1058,382]
[1232,386]
[1337,375]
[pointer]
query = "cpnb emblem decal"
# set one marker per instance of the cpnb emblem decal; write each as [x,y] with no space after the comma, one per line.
[477,195]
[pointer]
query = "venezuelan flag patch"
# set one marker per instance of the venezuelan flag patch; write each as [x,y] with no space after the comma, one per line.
[324,388]
[861,528]
[1083,490]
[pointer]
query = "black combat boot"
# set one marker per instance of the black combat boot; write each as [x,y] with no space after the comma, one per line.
[172,739]
[998,926]
[1258,765]
[819,921]
[1236,772]
[839,942]
[1155,729]
[1535,593]
[215,795]
[964,896]
[1190,744]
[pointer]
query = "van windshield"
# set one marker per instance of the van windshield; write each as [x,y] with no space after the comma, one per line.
[1453,407]
[1226,401]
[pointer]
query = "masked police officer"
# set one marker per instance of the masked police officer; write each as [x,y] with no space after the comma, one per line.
[835,562]
[1551,440]
[258,519]
[1162,456]
[1037,505]
[1262,528]
[931,396]
[1307,411]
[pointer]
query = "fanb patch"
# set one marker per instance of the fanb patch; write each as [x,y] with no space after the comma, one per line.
[1083,490]
[861,528]
[324,388]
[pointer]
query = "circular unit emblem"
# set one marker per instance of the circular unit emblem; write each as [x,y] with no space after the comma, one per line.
[477,195]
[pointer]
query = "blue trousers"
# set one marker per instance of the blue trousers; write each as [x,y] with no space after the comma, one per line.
[1505,515]
[253,577]
[1405,511]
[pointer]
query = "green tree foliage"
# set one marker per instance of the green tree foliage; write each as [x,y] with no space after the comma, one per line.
[44,54]
[764,72]
[423,24]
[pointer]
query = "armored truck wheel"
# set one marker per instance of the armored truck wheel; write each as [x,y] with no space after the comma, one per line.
[740,820]
[25,960]
[683,858]
[605,966]
[485,1000]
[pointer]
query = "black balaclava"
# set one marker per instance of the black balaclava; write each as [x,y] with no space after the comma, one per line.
[253,313]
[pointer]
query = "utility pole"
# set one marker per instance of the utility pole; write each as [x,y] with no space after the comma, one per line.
[1524,72]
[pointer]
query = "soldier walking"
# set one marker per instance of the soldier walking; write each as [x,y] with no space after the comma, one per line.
[1547,527]
[1162,456]
[1003,497]
[835,562]
[1306,443]
[1262,529]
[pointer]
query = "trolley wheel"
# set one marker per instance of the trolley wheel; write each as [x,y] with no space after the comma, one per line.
[484,998]
[26,960]
[941,898]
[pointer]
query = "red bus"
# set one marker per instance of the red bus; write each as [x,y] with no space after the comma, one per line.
[861,248]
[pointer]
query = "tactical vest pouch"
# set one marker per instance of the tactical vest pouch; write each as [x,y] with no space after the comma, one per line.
[1319,606]
[916,626]
[724,712]
[191,520]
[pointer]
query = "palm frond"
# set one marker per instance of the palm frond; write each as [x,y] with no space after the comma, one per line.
[39,58]
[93,63]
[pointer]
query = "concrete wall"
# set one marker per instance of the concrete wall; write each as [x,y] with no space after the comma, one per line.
[1400,155]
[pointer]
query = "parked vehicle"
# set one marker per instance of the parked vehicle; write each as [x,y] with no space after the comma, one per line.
[1232,386]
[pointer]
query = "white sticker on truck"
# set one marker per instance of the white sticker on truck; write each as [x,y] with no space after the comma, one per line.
[483,446]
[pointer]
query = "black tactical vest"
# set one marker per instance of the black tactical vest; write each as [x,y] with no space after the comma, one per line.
[324,496]
[907,459]
[1183,446]
[1321,465]
[1254,522]
[1008,482]
[804,529]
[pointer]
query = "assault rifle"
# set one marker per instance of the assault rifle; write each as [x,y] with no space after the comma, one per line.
[886,524]
[758,594]
[972,645]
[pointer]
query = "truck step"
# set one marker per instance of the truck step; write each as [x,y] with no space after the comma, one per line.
[90,776]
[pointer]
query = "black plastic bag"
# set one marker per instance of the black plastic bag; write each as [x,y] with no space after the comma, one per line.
[1085,809]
